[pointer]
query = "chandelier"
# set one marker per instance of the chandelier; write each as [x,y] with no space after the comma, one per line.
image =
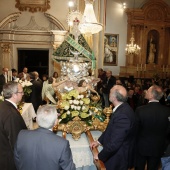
[89,24]
[132,48]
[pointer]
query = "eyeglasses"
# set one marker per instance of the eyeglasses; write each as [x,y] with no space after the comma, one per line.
[20,92]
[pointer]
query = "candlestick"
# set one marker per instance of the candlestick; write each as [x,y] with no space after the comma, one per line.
[145,68]
[9,75]
[137,68]
[141,67]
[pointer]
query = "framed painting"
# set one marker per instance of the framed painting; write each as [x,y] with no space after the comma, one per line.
[33,5]
[111,42]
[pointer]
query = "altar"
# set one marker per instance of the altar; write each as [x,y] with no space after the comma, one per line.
[82,156]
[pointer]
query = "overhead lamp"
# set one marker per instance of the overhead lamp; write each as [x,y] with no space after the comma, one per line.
[70,3]
[132,48]
[89,24]
[124,5]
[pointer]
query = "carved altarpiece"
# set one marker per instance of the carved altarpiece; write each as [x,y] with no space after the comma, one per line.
[152,33]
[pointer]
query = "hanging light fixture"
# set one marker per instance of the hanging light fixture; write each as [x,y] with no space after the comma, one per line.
[132,48]
[89,24]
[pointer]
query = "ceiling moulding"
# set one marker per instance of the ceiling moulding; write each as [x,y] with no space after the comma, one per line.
[10,18]
[32,5]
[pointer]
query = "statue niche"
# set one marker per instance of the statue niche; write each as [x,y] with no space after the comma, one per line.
[152,47]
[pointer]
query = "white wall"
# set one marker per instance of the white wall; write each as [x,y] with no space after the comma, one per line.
[116,23]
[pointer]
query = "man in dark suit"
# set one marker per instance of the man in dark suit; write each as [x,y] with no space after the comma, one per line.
[3,78]
[14,74]
[119,137]
[41,149]
[107,84]
[153,124]
[11,122]
[35,97]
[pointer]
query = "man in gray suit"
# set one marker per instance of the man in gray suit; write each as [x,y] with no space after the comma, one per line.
[41,149]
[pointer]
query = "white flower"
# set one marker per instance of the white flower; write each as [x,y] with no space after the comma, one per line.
[66,107]
[20,81]
[74,101]
[81,96]
[68,112]
[72,106]
[78,107]
[28,83]
[70,101]
[83,107]
[81,102]
[16,80]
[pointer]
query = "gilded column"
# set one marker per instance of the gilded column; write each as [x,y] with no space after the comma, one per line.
[6,55]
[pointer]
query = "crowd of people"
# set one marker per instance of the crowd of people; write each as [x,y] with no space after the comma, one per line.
[143,129]
[138,132]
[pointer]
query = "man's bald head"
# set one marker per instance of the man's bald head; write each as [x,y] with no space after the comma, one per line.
[118,93]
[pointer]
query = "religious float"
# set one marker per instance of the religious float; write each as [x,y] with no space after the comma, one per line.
[79,110]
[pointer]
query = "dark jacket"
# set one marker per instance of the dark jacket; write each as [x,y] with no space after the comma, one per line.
[153,125]
[2,82]
[108,84]
[11,122]
[118,139]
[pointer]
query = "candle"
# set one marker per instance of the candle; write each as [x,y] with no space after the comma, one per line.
[141,67]
[9,75]
[137,68]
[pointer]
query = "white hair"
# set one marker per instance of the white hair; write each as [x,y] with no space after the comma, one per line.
[46,116]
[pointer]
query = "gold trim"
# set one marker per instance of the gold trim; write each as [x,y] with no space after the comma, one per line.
[33,5]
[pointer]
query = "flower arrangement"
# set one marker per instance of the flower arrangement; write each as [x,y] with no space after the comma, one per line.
[72,104]
[26,86]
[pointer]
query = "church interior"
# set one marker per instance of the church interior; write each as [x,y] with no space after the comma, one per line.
[129,38]
[29,27]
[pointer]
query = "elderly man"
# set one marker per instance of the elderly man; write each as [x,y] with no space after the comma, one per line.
[11,122]
[153,125]
[41,149]
[119,137]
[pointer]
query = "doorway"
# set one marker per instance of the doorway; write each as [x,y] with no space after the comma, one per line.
[34,60]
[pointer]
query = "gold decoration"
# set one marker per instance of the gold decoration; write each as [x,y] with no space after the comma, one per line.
[107,111]
[32,5]
[76,127]
[20,107]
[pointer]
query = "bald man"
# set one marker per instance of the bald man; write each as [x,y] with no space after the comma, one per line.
[119,137]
